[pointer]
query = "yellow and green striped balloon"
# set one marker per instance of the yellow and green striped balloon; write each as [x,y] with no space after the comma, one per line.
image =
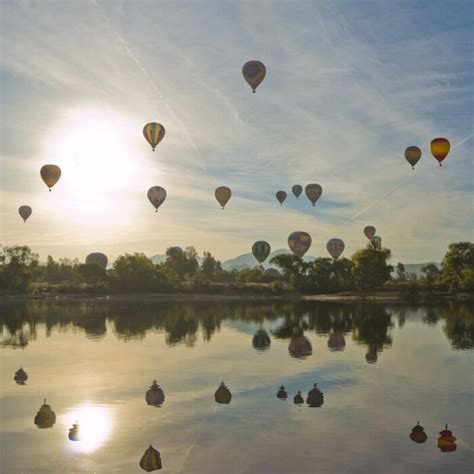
[153,133]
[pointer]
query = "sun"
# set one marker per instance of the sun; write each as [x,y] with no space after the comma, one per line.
[95,427]
[101,156]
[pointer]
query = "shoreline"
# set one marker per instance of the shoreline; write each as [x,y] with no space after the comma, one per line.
[381,297]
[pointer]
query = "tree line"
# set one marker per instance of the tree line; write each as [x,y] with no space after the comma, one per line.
[182,271]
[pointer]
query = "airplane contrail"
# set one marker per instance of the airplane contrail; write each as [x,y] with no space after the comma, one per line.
[155,88]
[390,191]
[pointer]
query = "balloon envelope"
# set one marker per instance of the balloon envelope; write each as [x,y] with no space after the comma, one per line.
[98,259]
[335,248]
[375,242]
[313,191]
[440,148]
[254,73]
[261,250]
[297,190]
[281,196]
[157,196]
[25,212]
[151,460]
[50,174]
[369,231]
[223,194]
[412,155]
[153,133]
[299,242]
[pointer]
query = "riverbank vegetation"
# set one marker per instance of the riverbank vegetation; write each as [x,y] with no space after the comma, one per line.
[368,270]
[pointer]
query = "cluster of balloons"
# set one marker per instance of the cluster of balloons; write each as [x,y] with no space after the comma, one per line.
[446,440]
[299,243]
[439,149]
[313,192]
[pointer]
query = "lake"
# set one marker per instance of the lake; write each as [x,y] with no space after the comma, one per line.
[379,369]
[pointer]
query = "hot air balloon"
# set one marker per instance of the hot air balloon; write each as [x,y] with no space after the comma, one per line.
[151,460]
[74,432]
[298,399]
[297,190]
[50,174]
[254,73]
[335,248]
[447,442]
[282,395]
[313,192]
[20,376]
[25,212]
[155,395]
[281,196]
[97,258]
[223,194]
[299,242]
[369,231]
[315,397]
[261,340]
[223,394]
[412,155]
[45,418]
[261,250]
[153,133]
[440,148]
[418,434]
[156,195]
[375,243]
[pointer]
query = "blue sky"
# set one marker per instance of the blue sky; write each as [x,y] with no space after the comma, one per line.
[350,84]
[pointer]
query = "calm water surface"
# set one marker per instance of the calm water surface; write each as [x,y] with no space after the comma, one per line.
[380,369]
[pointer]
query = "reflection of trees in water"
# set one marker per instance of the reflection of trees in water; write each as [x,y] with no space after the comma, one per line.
[459,325]
[369,324]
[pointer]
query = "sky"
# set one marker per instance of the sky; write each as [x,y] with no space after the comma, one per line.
[349,85]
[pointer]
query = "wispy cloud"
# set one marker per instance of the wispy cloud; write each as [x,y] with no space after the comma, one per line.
[347,90]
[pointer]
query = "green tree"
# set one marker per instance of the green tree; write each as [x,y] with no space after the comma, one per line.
[17,264]
[458,266]
[136,274]
[371,269]
[401,272]
[430,274]
[182,262]
[211,268]
[92,273]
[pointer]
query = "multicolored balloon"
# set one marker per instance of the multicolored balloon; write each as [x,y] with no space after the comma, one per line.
[299,242]
[261,250]
[223,194]
[156,195]
[153,133]
[97,258]
[313,192]
[25,212]
[281,196]
[297,190]
[50,174]
[254,73]
[440,148]
[335,248]
[369,231]
[412,155]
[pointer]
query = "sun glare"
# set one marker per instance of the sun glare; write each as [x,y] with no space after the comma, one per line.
[95,426]
[102,168]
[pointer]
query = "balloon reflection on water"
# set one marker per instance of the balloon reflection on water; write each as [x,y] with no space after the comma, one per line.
[91,427]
